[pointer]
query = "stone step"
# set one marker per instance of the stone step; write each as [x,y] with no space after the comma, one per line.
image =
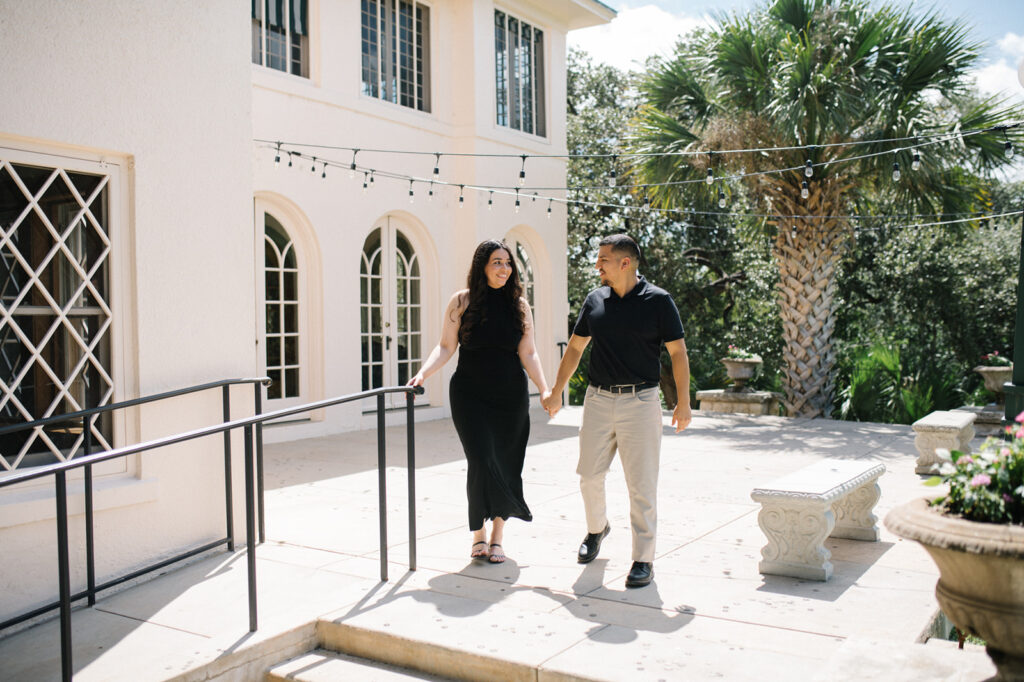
[321,665]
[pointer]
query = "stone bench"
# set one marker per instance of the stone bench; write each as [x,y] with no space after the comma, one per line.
[831,498]
[950,430]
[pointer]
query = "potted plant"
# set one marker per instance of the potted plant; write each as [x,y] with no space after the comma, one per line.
[975,534]
[740,365]
[996,370]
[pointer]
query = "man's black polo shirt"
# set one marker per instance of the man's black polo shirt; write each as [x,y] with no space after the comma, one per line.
[627,333]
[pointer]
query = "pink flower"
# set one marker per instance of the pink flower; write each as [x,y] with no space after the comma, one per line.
[980,480]
[1007,498]
[1020,418]
[965,460]
[1005,452]
[1020,432]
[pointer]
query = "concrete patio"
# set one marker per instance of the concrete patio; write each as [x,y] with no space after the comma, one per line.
[539,616]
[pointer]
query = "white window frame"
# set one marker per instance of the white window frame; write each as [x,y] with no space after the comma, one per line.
[388,58]
[121,300]
[538,78]
[263,32]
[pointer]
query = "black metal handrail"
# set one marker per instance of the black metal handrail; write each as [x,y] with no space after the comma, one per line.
[86,416]
[248,425]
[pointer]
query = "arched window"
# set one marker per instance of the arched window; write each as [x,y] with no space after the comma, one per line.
[391,327]
[525,266]
[281,296]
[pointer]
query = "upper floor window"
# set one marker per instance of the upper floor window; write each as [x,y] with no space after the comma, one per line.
[280,35]
[519,77]
[396,52]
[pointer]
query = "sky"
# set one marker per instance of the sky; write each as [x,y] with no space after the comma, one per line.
[652,27]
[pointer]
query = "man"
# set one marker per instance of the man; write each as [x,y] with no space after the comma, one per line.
[628,319]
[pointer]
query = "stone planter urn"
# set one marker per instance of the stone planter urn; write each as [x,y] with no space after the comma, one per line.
[740,370]
[994,378]
[981,577]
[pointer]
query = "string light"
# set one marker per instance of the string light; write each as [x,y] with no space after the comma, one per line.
[808,168]
[915,164]
[430,191]
[352,166]
[364,182]
[804,190]
[549,208]
[289,159]
[437,164]
[412,195]
[516,209]
[323,172]
[371,177]
[612,173]
[277,157]
[896,171]
[1007,146]
[312,169]
[721,198]
[522,172]
[490,201]
[462,199]
[647,204]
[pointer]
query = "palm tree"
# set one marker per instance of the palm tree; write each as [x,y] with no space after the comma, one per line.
[816,74]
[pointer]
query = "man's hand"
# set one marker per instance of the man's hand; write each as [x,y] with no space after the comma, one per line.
[681,416]
[551,402]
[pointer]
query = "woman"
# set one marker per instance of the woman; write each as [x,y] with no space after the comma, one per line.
[490,322]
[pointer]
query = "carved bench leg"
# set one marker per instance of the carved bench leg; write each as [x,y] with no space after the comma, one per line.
[855,519]
[795,532]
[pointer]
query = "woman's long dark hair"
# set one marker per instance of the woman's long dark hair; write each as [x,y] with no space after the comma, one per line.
[476,282]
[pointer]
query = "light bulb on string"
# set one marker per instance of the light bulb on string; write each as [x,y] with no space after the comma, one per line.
[412,195]
[437,164]
[277,157]
[430,191]
[710,178]
[549,208]
[896,171]
[808,168]
[516,209]
[364,182]
[462,199]
[371,177]
[647,204]
[312,169]
[323,171]
[915,164]
[522,172]
[612,174]
[289,159]
[1008,149]
[490,201]
[721,198]
[534,197]
[352,166]
[804,190]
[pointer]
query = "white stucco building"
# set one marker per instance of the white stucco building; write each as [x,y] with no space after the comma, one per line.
[150,242]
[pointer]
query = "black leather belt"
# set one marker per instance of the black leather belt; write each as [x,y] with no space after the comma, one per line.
[624,388]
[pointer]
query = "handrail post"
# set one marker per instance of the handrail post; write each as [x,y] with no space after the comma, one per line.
[90,537]
[382,489]
[250,526]
[63,575]
[229,511]
[410,447]
[258,388]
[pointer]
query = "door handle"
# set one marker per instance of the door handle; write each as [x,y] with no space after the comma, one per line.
[387,343]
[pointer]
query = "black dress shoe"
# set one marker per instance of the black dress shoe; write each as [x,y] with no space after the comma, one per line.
[591,546]
[641,574]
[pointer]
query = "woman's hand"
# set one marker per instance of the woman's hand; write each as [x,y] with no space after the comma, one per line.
[417,380]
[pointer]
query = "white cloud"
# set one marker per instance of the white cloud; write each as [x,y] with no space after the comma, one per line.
[635,34]
[1012,44]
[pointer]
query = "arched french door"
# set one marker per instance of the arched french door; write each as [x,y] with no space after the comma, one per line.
[284,348]
[391,327]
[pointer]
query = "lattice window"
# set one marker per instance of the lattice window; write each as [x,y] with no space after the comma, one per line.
[396,52]
[55,318]
[281,296]
[519,74]
[525,267]
[280,35]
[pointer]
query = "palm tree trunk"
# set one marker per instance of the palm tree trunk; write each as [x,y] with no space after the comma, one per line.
[807,252]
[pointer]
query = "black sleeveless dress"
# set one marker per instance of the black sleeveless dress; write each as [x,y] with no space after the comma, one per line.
[490,408]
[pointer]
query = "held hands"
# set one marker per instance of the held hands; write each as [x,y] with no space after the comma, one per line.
[551,402]
[681,416]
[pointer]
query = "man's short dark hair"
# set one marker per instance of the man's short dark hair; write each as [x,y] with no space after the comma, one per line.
[622,243]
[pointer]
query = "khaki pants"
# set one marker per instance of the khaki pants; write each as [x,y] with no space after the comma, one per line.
[631,424]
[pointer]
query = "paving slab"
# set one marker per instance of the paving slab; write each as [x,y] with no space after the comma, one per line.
[540,616]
